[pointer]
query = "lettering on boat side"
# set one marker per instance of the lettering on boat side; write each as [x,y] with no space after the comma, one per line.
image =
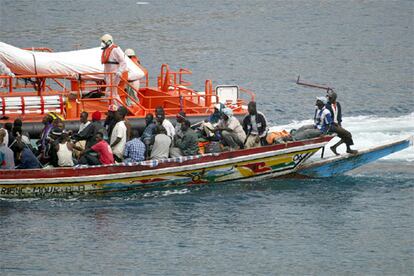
[41,191]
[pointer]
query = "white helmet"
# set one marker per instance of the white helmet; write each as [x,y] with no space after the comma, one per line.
[129,52]
[107,39]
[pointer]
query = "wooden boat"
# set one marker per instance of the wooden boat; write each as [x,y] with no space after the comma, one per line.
[247,164]
[68,83]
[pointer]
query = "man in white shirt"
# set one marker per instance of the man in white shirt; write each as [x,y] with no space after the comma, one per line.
[119,135]
[162,144]
[161,120]
[83,121]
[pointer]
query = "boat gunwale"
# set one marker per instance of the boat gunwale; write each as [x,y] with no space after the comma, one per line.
[113,172]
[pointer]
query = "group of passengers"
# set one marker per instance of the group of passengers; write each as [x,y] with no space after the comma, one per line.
[114,140]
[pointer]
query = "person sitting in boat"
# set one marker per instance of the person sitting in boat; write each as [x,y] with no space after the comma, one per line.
[207,127]
[232,133]
[119,135]
[161,120]
[84,122]
[43,142]
[54,140]
[187,144]
[162,144]
[64,151]
[255,126]
[134,148]
[181,117]
[9,129]
[322,123]
[99,154]
[110,120]
[113,59]
[6,154]
[346,137]
[25,157]
[148,135]
[90,131]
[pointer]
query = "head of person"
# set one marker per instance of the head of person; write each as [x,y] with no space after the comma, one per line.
[64,137]
[96,116]
[106,41]
[130,53]
[121,113]
[99,136]
[134,133]
[84,117]
[56,133]
[47,119]
[8,126]
[159,114]
[227,113]
[185,125]
[149,118]
[331,96]
[320,102]
[18,123]
[251,108]
[181,117]
[59,123]
[111,111]
[160,130]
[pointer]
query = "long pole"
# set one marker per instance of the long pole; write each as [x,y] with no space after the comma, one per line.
[327,88]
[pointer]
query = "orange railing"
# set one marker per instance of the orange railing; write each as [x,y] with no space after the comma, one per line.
[173,92]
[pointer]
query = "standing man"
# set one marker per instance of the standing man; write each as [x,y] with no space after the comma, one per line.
[255,126]
[113,59]
[334,108]
[119,136]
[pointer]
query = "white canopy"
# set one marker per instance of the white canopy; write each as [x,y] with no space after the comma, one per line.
[71,63]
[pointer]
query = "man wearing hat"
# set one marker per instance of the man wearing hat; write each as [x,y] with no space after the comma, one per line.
[322,123]
[232,133]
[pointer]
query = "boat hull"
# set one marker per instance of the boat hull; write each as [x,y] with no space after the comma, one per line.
[258,163]
[337,165]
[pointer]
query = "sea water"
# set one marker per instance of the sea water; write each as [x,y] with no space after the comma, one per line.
[361,223]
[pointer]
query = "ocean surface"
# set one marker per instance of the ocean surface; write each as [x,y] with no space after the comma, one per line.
[358,224]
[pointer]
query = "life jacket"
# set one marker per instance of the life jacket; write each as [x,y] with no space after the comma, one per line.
[106,53]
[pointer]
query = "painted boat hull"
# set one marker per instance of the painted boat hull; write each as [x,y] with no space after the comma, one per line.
[337,165]
[249,164]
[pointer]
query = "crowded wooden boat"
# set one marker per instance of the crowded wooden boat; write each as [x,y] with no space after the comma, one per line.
[92,130]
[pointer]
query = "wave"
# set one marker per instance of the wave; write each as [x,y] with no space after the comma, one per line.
[368,131]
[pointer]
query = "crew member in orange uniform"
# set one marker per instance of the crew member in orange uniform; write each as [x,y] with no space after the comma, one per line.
[113,59]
